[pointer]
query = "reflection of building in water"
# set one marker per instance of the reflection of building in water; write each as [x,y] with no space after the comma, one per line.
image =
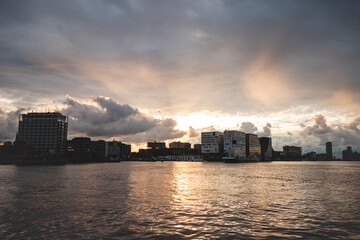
[45,132]
[234,144]
[266,148]
[252,145]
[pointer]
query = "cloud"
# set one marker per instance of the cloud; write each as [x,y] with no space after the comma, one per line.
[341,135]
[268,55]
[248,127]
[192,132]
[266,131]
[104,117]
[319,128]
[9,124]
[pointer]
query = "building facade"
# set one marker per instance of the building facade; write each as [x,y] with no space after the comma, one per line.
[212,142]
[117,150]
[156,145]
[252,145]
[183,145]
[329,151]
[292,152]
[266,148]
[82,149]
[45,132]
[234,144]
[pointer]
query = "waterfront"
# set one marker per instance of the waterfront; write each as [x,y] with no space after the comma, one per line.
[176,200]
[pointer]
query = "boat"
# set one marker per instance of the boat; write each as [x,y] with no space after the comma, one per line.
[240,160]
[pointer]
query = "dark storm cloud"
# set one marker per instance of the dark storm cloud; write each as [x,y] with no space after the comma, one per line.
[103,117]
[310,47]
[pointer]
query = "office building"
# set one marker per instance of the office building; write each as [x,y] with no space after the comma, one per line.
[212,142]
[182,145]
[82,149]
[266,148]
[292,152]
[156,145]
[234,144]
[45,132]
[329,152]
[252,145]
[117,150]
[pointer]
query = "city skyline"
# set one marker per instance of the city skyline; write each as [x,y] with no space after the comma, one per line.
[140,71]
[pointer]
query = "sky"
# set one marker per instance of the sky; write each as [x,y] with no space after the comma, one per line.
[138,71]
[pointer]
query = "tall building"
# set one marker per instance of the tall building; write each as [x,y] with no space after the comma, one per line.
[252,145]
[45,132]
[180,145]
[156,145]
[212,142]
[292,152]
[266,148]
[234,144]
[329,152]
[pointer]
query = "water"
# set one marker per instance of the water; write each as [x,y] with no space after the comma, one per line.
[178,200]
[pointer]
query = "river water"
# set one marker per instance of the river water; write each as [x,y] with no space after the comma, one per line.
[181,200]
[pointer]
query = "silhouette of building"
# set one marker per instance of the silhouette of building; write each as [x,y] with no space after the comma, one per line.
[266,148]
[156,145]
[252,145]
[234,144]
[310,156]
[349,155]
[182,145]
[117,150]
[82,149]
[329,151]
[197,149]
[45,132]
[292,152]
[197,146]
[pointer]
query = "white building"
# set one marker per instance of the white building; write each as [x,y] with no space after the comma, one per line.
[212,142]
[234,144]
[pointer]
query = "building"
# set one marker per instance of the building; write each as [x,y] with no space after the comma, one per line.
[156,145]
[234,144]
[212,142]
[183,145]
[197,146]
[292,152]
[252,145]
[349,155]
[116,150]
[45,132]
[310,156]
[82,149]
[329,151]
[266,148]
